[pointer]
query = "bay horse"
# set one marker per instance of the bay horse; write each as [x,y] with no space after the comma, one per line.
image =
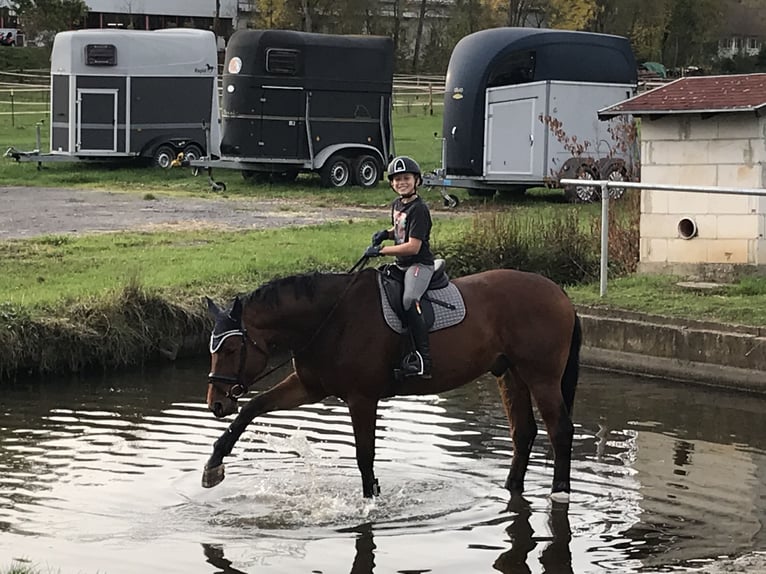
[519,326]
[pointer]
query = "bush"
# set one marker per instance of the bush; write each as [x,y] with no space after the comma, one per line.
[563,246]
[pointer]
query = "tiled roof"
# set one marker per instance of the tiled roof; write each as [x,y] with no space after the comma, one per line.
[697,94]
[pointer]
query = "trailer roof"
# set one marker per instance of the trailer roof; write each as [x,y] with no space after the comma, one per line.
[324,57]
[177,51]
[558,55]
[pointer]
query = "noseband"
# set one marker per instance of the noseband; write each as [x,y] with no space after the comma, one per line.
[237,387]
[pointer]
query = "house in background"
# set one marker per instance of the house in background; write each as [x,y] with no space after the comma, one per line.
[161,14]
[743,32]
[702,131]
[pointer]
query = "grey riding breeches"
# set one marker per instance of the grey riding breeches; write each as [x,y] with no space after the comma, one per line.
[416,280]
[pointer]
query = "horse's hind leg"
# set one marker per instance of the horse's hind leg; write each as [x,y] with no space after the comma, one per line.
[363,412]
[288,394]
[518,408]
[550,404]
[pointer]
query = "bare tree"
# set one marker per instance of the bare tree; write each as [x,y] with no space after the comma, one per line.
[419,36]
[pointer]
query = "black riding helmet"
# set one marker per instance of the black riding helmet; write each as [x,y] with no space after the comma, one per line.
[405,164]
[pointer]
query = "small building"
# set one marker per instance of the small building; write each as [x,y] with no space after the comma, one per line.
[702,131]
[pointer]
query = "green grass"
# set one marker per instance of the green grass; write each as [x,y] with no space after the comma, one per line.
[55,269]
[742,303]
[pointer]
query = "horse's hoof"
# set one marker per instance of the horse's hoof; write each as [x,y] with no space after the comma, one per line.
[212,476]
[561,497]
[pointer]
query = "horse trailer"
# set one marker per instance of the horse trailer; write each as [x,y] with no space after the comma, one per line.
[131,94]
[304,102]
[520,109]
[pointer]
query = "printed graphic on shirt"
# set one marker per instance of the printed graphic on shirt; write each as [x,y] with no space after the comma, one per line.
[400,227]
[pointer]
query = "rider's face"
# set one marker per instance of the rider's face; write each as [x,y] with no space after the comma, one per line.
[403,183]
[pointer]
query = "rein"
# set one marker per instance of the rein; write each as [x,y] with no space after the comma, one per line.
[239,387]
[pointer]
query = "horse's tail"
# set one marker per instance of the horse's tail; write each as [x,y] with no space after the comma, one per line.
[572,370]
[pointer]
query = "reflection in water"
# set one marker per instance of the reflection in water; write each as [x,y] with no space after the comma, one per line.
[214,555]
[100,475]
[556,558]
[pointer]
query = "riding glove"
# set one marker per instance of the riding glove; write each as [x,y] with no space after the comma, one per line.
[373,251]
[379,236]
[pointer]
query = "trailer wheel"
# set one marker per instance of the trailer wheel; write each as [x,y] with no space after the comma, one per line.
[163,156]
[367,171]
[336,172]
[614,169]
[584,193]
[192,152]
[451,201]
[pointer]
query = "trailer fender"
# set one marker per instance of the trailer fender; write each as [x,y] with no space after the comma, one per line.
[349,151]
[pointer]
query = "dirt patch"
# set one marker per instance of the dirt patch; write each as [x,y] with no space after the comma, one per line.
[34,211]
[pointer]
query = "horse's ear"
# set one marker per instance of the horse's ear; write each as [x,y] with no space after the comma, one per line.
[236,310]
[212,308]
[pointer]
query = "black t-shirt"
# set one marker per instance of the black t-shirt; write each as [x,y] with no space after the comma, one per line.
[412,219]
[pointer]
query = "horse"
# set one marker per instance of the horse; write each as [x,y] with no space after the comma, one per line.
[520,326]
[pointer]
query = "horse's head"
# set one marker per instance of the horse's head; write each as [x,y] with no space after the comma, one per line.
[236,359]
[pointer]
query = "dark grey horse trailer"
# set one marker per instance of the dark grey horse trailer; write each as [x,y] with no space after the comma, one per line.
[302,102]
[515,98]
[131,93]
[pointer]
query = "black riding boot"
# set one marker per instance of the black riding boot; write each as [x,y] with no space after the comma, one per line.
[419,332]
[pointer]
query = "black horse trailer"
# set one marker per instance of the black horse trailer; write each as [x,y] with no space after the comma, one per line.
[303,102]
[131,94]
[521,103]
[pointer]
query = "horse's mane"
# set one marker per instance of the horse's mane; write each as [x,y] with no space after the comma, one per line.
[304,285]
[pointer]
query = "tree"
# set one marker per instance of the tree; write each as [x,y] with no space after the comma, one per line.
[419,36]
[571,14]
[692,32]
[43,19]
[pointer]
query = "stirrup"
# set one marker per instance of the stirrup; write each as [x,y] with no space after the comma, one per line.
[414,366]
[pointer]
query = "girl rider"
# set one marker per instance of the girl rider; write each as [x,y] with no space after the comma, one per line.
[411,232]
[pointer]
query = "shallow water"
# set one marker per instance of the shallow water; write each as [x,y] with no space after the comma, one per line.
[104,476]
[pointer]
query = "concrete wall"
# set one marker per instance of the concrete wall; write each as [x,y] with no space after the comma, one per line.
[727,149]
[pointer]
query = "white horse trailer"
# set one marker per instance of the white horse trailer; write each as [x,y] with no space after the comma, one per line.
[132,94]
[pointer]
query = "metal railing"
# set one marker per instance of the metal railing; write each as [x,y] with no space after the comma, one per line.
[605,185]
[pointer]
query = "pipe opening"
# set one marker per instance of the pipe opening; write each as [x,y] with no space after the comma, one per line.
[687,228]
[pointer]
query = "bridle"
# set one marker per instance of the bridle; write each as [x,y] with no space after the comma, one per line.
[237,386]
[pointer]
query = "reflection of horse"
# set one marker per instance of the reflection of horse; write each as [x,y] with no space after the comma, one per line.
[519,326]
[556,557]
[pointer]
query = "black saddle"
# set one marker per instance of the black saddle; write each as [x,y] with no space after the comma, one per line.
[392,280]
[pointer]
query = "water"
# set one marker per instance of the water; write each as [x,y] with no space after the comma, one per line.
[103,475]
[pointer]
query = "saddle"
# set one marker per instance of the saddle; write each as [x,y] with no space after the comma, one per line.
[442,304]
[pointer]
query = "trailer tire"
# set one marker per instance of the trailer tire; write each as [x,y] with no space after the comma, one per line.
[163,156]
[367,171]
[336,172]
[613,169]
[192,152]
[582,193]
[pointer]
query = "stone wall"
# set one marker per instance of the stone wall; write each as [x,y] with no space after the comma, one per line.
[691,228]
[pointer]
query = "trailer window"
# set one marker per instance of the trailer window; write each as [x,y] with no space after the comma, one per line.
[516,68]
[101,55]
[282,61]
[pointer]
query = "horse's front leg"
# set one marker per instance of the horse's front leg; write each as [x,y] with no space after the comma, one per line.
[288,394]
[363,412]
